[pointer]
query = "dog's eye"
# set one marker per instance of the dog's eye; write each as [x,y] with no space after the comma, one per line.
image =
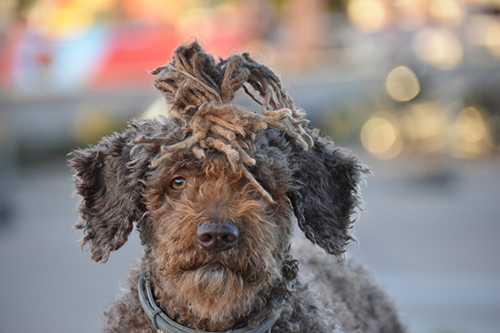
[178,183]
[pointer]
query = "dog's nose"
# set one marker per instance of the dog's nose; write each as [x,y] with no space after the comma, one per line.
[217,236]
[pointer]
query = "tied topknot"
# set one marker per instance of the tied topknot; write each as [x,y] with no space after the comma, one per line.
[199,91]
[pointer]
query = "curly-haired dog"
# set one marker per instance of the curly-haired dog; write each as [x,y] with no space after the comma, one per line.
[216,192]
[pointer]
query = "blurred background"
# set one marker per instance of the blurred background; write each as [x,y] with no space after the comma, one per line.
[411,86]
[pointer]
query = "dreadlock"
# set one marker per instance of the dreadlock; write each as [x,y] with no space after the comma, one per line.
[199,91]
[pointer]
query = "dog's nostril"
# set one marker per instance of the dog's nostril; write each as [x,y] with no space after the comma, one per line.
[205,238]
[229,238]
[217,235]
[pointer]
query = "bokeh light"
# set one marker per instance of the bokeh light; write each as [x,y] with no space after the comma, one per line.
[473,134]
[402,84]
[380,136]
[491,37]
[470,125]
[66,19]
[367,15]
[427,127]
[447,11]
[439,47]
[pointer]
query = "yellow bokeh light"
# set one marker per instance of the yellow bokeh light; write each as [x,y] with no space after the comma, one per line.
[402,84]
[380,136]
[428,119]
[367,15]
[427,127]
[448,11]
[473,134]
[66,19]
[492,37]
[439,47]
[470,125]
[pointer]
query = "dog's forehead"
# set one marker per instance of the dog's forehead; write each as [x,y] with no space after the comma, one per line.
[180,145]
[185,163]
[214,165]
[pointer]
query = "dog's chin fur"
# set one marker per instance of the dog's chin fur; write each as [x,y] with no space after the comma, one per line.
[215,297]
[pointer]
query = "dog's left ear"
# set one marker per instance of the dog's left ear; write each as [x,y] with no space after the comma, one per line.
[325,195]
[110,190]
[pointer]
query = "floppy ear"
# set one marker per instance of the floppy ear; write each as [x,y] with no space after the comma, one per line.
[109,183]
[326,194]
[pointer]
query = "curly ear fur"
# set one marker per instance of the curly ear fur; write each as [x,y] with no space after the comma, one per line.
[326,195]
[109,181]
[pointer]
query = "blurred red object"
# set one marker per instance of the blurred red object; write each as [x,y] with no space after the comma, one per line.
[132,53]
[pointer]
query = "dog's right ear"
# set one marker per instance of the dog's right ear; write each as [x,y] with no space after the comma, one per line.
[110,186]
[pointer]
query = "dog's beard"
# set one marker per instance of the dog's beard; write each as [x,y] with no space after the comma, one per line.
[216,290]
[221,289]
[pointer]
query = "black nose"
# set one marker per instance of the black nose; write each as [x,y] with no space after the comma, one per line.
[217,236]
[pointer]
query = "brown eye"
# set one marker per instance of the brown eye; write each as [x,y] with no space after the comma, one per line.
[178,183]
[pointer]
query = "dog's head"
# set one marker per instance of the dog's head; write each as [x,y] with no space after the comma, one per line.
[214,188]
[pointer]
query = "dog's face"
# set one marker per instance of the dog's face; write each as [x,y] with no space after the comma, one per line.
[216,241]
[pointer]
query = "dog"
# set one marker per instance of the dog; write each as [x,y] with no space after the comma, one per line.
[216,192]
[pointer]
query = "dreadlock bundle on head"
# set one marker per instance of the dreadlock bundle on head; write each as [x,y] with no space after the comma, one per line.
[199,91]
